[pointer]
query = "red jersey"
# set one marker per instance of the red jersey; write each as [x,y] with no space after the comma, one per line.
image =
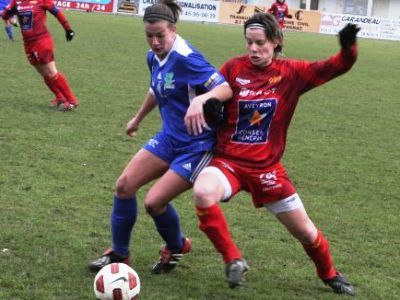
[264,99]
[280,11]
[32,17]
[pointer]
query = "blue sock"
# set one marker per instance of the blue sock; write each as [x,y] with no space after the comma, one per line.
[9,31]
[123,218]
[168,227]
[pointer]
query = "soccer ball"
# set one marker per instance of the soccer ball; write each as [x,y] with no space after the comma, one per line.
[117,281]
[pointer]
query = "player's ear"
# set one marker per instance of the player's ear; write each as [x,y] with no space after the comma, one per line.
[173,28]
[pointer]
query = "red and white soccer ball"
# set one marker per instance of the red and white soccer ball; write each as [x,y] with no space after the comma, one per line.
[117,281]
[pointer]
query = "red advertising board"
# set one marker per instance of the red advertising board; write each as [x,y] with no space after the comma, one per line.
[89,5]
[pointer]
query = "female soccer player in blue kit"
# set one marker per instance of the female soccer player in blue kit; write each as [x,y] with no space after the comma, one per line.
[180,75]
[8,24]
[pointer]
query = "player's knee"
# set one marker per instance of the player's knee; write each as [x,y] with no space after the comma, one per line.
[307,234]
[122,188]
[152,208]
[205,195]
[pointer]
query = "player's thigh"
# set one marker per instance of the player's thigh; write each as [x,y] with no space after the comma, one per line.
[211,186]
[141,169]
[47,70]
[168,186]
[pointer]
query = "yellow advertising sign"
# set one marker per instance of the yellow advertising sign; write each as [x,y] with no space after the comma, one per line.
[237,13]
[303,20]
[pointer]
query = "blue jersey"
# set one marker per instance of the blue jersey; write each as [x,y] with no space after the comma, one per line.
[3,4]
[175,81]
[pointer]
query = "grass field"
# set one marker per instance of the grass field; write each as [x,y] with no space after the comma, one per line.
[57,171]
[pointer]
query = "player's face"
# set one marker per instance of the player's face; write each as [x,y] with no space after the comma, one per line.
[260,50]
[160,36]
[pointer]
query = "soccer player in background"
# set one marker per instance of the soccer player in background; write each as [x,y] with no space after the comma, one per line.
[280,10]
[8,24]
[39,47]
[251,142]
[180,75]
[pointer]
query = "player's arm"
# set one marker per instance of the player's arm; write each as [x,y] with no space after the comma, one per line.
[69,33]
[287,15]
[9,11]
[148,105]
[316,73]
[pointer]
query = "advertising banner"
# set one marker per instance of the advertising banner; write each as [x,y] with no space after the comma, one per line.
[371,27]
[236,13]
[303,20]
[128,7]
[192,10]
[88,5]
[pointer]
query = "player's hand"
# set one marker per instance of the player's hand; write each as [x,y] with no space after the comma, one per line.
[289,16]
[132,127]
[194,118]
[69,34]
[212,109]
[348,35]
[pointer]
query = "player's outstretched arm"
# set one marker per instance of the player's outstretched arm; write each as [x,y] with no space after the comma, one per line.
[348,35]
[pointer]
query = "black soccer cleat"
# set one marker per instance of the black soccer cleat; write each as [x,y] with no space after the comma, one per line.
[168,259]
[108,257]
[234,271]
[340,285]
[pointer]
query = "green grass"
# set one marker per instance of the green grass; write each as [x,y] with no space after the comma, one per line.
[58,171]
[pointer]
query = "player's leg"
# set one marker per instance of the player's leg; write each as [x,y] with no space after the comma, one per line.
[184,169]
[166,220]
[9,30]
[143,168]
[210,188]
[55,80]
[291,213]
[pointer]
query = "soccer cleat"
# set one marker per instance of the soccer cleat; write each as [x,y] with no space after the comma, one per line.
[340,285]
[234,271]
[108,257]
[169,259]
[69,105]
[56,102]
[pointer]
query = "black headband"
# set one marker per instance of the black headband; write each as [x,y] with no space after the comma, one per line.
[156,16]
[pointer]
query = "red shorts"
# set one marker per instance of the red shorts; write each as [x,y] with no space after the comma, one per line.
[265,185]
[40,52]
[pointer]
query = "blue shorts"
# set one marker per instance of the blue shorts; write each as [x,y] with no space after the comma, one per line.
[186,161]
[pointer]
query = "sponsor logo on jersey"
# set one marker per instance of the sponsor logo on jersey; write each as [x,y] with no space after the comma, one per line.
[242,81]
[169,81]
[244,92]
[187,166]
[274,79]
[254,120]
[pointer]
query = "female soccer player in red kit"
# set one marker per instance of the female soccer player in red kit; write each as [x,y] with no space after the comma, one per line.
[251,141]
[281,11]
[39,46]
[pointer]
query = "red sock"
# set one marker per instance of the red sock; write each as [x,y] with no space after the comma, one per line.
[52,87]
[214,225]
[61,83]
[320,255]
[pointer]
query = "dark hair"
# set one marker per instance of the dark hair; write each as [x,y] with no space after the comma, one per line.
[268,23]
[167,10]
